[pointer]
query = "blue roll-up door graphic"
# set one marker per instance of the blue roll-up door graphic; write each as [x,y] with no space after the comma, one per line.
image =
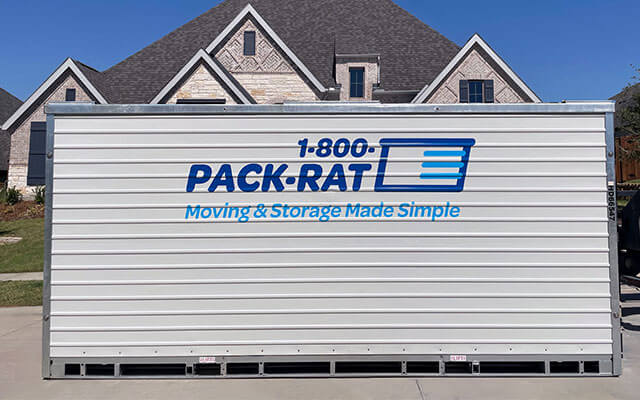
[440,165]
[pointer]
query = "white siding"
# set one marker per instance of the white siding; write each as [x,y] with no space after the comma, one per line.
[523,270]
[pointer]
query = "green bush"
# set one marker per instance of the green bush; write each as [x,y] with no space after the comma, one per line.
[39,192]
[12,196]
[3,193]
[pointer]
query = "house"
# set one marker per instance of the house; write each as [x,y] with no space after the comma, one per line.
[274,51]
[8,105]
[627,168]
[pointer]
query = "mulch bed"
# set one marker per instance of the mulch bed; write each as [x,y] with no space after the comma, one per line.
[21,210]
[628,186]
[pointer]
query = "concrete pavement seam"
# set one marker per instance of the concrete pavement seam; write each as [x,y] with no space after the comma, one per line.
[17,329]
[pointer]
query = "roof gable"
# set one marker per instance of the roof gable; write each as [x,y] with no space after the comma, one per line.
[264,26]
[219,72]
[475,41]
[313,30]
[66,66]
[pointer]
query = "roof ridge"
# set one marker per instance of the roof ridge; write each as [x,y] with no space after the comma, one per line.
[7,93]
[85,65]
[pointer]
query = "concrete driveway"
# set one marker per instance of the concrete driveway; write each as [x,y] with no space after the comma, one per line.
[20,334]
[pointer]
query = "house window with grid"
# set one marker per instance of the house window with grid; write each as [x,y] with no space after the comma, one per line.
[476,91]
[357,82]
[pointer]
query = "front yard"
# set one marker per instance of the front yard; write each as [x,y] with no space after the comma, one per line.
[21,221]
[24,220]
[20,293]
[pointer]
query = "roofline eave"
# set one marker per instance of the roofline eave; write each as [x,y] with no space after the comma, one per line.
[68,64]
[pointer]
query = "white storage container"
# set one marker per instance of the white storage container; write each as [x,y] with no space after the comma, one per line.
[330,239]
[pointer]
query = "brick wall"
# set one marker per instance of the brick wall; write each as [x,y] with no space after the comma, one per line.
[201,85]
[474,66]
[19,155]
[270,88]
[267,75]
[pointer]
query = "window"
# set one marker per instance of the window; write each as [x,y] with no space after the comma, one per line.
[37,151]
[357,82]
[70,95]
[249,43]
[476,91]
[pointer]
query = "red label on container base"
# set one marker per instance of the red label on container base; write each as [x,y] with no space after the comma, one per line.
[457,358]
[207,360]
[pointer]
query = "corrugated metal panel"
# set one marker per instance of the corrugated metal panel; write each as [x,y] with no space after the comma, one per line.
[524,269]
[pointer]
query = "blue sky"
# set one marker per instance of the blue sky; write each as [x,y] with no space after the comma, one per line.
[579,49]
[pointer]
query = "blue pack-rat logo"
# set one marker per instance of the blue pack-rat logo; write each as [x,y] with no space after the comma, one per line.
[442,168]
[344,164]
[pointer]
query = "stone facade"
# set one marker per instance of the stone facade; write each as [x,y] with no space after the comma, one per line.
[201,85]
[267,76]
[275,88]
[18,163]
[343,76]
[474,66]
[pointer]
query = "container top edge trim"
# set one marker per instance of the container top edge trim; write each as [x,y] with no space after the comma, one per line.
[329,108]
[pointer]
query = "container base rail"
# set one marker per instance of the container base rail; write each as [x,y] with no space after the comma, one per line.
[265,367]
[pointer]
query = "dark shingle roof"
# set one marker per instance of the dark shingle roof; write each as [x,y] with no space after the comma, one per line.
[94,76]
[8,105]
[412,53]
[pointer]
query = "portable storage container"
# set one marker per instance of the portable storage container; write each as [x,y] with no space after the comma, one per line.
[330,240]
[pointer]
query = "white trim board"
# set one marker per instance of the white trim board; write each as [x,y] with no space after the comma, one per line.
[274,36]
[66,65]
[201,55]
[475,39]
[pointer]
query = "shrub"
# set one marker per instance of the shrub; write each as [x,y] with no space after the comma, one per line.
[39,192]
[3,193]
[13,196]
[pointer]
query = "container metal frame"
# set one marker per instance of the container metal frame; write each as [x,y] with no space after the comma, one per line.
[607,365]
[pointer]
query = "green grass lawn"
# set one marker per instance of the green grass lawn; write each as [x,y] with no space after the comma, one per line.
[20,293]
[26,255]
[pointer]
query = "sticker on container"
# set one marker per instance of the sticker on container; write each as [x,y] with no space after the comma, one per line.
[457,358]
[207,360]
